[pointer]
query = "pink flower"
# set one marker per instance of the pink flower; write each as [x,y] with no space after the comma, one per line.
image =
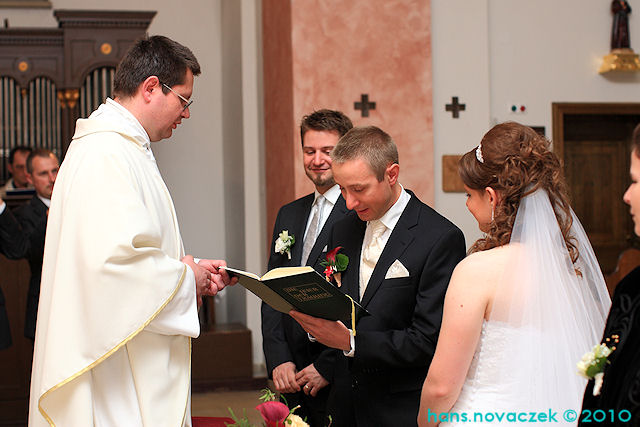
[273,413]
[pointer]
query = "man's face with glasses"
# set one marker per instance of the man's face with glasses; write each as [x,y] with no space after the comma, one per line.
[185,102]
[171,107]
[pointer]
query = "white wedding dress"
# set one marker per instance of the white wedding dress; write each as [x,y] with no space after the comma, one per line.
[544,317]
[483,400]
[480,393]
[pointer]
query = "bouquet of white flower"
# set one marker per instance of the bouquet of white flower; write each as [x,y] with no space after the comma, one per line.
[284,243]
[593,363]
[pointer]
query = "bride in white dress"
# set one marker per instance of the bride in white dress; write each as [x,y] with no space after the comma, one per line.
[526,304]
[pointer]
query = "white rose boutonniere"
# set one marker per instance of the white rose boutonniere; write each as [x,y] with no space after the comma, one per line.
[593,363]
[284,243]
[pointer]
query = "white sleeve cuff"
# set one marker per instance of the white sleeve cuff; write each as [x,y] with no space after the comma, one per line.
[352,340]
[180,315]
[311,337]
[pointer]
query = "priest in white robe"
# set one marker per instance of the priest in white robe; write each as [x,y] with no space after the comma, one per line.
[119,298]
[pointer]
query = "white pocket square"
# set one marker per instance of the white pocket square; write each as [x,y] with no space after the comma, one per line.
[396,271]
[325,249]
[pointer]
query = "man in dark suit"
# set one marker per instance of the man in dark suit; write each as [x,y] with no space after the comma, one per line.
[401,256]
[13,245]
[616,400]
[42,169]
[289,354]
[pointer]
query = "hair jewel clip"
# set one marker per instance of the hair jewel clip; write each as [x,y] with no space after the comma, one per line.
[479,153]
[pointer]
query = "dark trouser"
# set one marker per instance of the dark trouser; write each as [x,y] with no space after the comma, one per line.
[374,399]
[5,331]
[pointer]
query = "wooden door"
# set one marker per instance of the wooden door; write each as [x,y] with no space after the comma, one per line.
[593,140]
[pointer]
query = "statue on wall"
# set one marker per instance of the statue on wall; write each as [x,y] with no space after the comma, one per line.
[620,28]
[621,57]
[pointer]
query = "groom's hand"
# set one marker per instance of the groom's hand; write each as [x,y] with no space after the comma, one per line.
[329,332]
[311,380]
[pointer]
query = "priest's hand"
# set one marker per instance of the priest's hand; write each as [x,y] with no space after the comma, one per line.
[311,380]
[284,378]
[329,332]
[219,275]
[204,284]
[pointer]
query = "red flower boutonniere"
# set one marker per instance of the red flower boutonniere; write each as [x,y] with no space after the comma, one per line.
[334,264]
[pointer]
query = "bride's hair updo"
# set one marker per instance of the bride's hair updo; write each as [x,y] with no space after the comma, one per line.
[515,161]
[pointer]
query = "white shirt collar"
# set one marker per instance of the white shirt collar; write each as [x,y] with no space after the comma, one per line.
[331,194]
[391,217]
[44,200]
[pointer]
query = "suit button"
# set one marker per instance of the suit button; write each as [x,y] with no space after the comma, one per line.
[354,384]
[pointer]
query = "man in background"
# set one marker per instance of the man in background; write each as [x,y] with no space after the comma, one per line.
[290,356]
[22,232]
[42,169]
[18,169]
[13,245]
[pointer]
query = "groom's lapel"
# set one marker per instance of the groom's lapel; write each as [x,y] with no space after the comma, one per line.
[352,244]
[401,237]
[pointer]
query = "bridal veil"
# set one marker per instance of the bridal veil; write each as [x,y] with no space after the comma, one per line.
[557,309]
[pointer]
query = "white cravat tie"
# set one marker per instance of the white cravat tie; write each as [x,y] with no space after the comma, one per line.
[314,229]
[371,254]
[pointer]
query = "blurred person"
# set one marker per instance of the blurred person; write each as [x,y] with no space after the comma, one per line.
[42,169]
[618,397]
[18,169]
[13,245]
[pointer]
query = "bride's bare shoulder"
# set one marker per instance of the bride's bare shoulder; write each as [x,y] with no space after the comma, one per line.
[484,265]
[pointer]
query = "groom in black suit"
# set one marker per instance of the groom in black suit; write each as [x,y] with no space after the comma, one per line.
[290,356]
[401,256]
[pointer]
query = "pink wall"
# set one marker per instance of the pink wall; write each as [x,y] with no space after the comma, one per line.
[278,108]
[341,49]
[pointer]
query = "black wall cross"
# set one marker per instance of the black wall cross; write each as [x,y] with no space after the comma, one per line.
[455,107]
[364,105]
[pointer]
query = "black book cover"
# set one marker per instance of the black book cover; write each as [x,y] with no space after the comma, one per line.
[302,289]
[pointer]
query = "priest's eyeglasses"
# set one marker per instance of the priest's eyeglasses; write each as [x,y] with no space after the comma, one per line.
[186,102]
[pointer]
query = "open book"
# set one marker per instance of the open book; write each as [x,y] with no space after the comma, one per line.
[302,289]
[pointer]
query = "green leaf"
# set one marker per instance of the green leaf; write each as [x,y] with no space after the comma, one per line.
[284,399]
[596,367]
[267,395]
[342,261]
